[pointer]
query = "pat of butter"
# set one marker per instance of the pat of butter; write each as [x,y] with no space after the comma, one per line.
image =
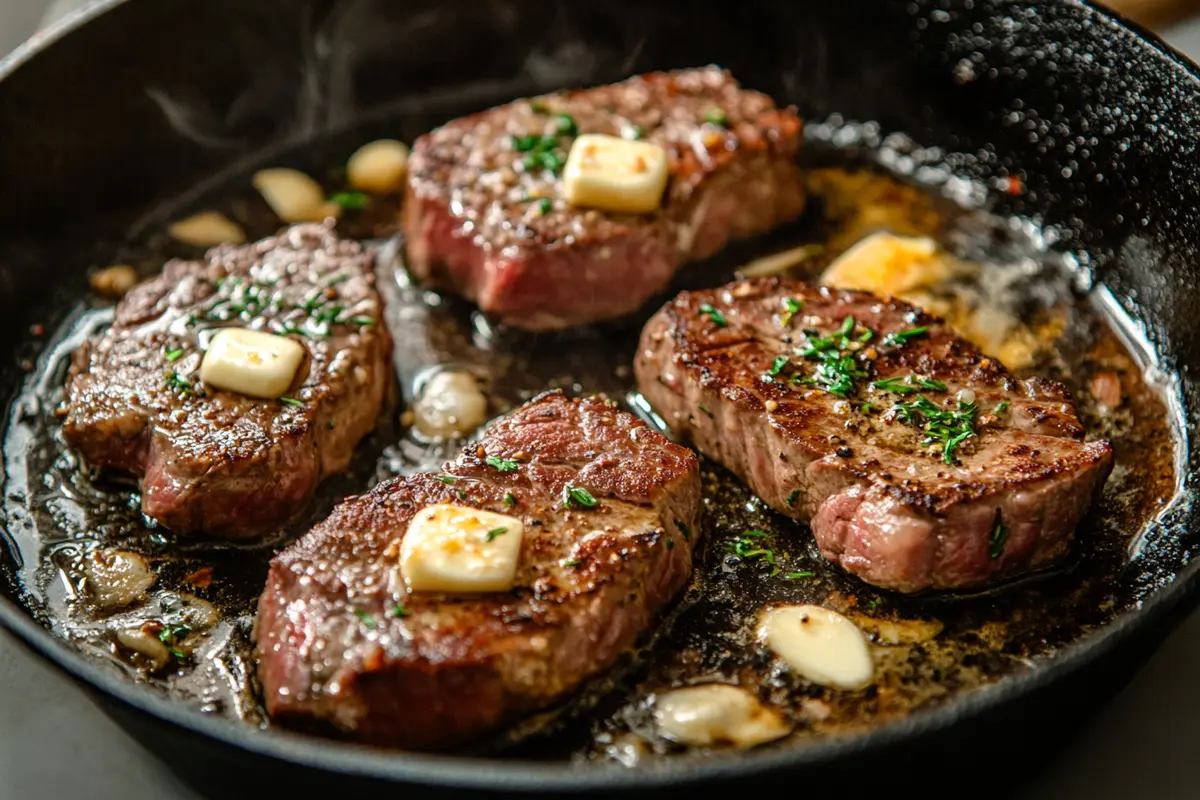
[250,362]
[887,264]
[451,548]
[615,174]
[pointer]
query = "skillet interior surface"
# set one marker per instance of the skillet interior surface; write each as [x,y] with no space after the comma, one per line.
[1020,90]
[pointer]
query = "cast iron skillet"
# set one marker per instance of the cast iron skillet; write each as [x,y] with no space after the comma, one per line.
[1104,142]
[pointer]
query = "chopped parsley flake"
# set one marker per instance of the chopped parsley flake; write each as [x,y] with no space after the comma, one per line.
[909,384]
[368,621]
[174,355]
[291,401]
[351,201]
[447,479]
[178,383]
[683,529]
[948,428]
[717,116]
[777,365]
[998,538]
[747,547]
[501,464]
[714,316]
[578,497]
[509,500]
[544,205]
[793,495]
[670,543]
[902,338]
[792,576]
[1001,407]
[398,611]
[565,124]
[494,532]
[704,408]
[331,424]
[570,562]
[791,307]
[837,368]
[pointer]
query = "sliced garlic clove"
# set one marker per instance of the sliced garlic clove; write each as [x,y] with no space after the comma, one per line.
[116,578]
[293,195]
[450,405]
[145,644]
[378,167]
[716,713]
[820,644]
[207,229]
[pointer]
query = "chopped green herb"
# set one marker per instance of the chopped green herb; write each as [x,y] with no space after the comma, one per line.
[461,494]
[717,116]
[341,277]
[570,562]
[578,497]
[901,338]
[1001,407]
[714,316]
[683,529]
[874,602]
[777,365]
[173,633]
[523,144]
[330,424]
[544,205]
[565,124]
[447,479]
[866,408]
[368,621]
[178,384]
[509,500]
[670,543]
[366,322]
[792,576]
[793,495]
[494,532]
[909,384]
[398,611]
[174,355]
[538,107]
[351,201]
[745,547]
[998,538]
[704,408]
[633,132]
[501,464]
[291,401]
[837,369]
[791,307]
[866,336]
[847,326]
[948,428]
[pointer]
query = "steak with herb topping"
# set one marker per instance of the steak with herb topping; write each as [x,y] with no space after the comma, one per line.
[919,462]
[346,648]
[217,462]
[485,214]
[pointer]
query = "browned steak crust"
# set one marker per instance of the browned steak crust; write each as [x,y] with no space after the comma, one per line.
[218,462]
[881,500]
[342,641]
[475,220]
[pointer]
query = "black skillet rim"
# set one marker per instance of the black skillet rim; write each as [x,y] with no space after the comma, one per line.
[532,776]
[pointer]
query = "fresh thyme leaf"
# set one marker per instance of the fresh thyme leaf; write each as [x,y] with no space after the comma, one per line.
[714,316]
[565,124]
[174,355]
[909,384]
[847,326]
[501,464]
[367,620]
[178,384]
[447,479]
[351,201]
[901,338]
[717,116]
[538,107]
[948,428]
[578,497]
[291,401]
[398,611]
[793,495]
[523,144]
[544,205]
[494,532]
[791,307]
[998,538]
[509,500]
[797,575]
[1001,407]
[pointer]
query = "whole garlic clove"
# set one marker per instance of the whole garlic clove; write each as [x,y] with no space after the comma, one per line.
[820,644]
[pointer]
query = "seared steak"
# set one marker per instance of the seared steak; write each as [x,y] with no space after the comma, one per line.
[951,474]
[217,462]
[482,223]
[344,645]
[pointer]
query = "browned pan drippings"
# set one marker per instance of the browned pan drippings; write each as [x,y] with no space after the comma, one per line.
[930,649]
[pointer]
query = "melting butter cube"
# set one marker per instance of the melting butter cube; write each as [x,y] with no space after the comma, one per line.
[886,264]
[615,174]
[452,548]
[251,362]
[820,644]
